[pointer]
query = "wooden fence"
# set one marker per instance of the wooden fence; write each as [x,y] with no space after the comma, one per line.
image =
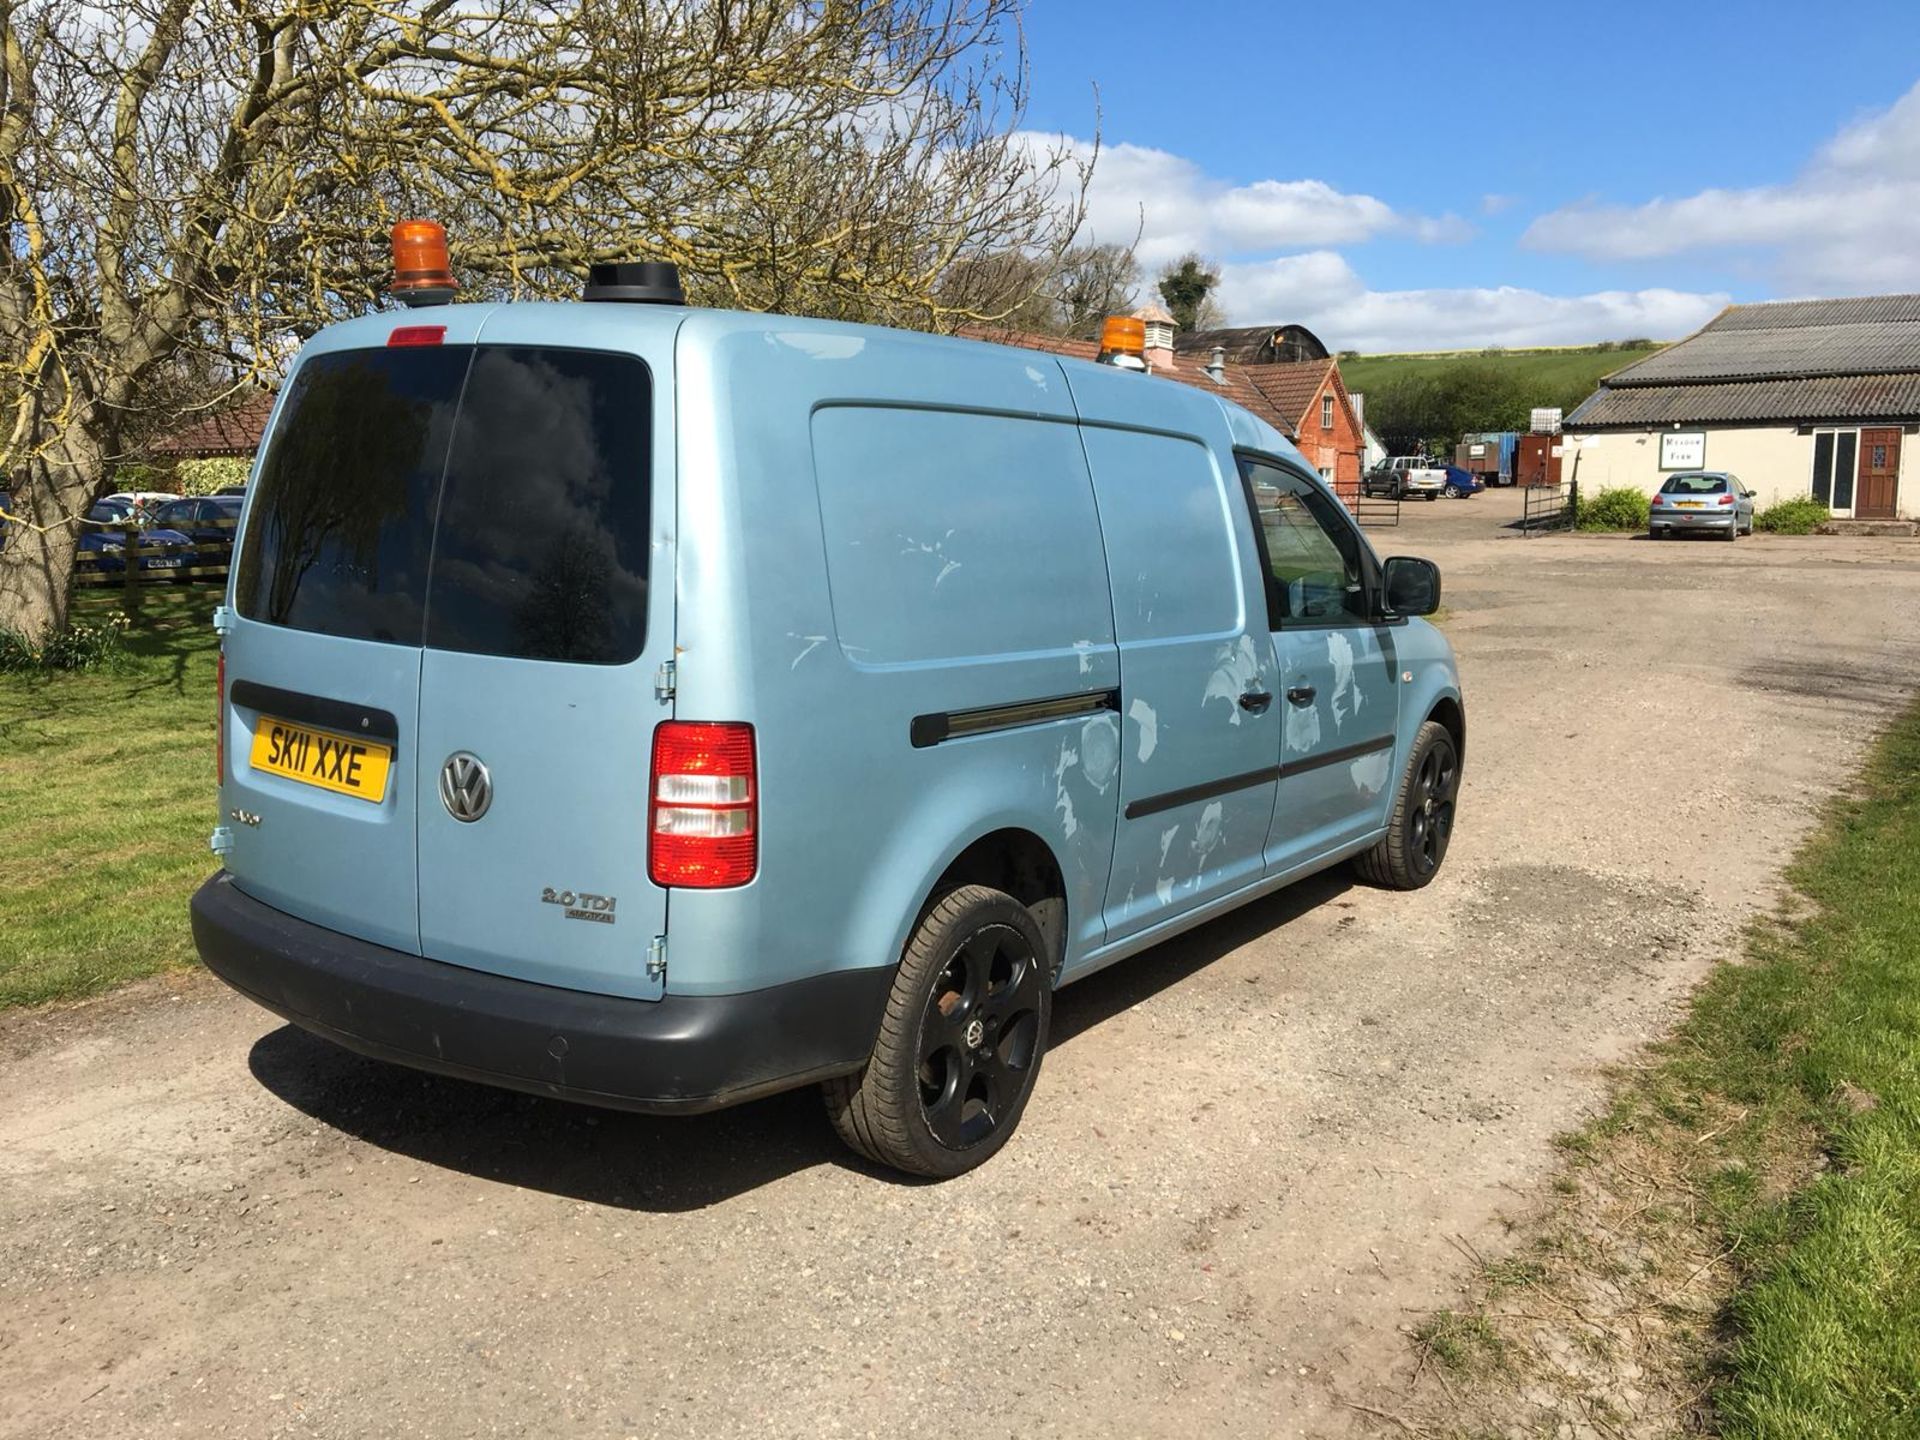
[139,562]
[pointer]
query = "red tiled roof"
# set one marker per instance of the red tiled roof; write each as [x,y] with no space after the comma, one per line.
[1237,384]
[236,430]
[1291,388]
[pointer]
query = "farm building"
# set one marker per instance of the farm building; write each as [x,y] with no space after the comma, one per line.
[1796,397]
[1290,366]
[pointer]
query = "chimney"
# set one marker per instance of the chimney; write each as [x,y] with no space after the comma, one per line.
[1159,323]
[1217,364]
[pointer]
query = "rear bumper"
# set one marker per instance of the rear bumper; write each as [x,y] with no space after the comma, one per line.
[1692,519]
[681,1053]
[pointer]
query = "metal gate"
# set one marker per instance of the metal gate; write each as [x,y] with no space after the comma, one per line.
[1547,507]
[1375,513]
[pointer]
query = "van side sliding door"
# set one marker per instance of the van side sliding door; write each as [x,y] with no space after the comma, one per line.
[1200,725]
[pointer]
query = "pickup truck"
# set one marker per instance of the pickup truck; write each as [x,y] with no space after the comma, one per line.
[1404,476]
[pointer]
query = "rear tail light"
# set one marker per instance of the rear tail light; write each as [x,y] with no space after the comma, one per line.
[220,719]
[704,816]
[1724,500]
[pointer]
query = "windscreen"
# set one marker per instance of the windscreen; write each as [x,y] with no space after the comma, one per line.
[489,499]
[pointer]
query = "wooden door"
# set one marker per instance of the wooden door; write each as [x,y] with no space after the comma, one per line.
[1879,475]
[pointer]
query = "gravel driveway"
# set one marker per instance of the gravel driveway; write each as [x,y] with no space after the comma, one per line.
[1255,1154]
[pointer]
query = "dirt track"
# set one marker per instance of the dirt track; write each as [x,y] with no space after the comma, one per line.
[1255,1155]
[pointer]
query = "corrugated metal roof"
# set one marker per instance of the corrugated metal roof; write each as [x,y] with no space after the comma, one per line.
[1254,344]
[1880,348]
[1794,314]
[1833,397]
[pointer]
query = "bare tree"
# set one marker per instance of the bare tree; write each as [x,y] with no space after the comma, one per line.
[190,187]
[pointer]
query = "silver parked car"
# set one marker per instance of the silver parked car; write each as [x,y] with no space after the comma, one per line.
[1710,500]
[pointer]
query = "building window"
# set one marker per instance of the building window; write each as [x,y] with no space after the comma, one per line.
[1835,453]
[1326,412]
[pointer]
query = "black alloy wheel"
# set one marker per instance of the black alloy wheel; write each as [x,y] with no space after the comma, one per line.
[979,1037]
[1430,814]
[960,1043]
[1421,822]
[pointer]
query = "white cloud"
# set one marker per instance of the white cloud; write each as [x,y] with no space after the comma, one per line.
[1323,292]
[1850,221]
[1279,242]
[1175,206]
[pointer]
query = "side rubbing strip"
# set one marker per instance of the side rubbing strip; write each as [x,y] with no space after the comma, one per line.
[952,724]
[1334,757]
[1154,804]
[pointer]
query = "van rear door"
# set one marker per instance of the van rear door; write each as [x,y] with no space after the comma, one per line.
[323,658]
[549,616]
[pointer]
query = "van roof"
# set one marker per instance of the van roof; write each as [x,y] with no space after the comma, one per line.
[1239,401]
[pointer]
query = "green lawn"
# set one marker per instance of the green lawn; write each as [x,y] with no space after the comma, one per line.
[1737,1236]
[1823,1030]
[106,801]
[1556,373]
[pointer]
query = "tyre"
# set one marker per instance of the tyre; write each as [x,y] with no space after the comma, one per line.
[1652,534]
[960,1042]
[1422,820]
[1453,491]
[1733,532]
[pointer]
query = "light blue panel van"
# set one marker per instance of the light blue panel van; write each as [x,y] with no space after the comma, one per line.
[660,707]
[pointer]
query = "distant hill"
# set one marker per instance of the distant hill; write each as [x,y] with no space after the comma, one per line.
[1552,375]
[1429,401]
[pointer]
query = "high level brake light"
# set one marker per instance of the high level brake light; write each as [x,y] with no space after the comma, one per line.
[704,816]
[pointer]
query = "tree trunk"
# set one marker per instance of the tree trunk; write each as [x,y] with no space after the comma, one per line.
[36,561]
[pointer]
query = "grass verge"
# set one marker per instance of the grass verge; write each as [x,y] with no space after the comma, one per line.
[1735,1244]
[106,800]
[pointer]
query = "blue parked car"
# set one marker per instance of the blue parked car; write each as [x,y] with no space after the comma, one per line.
[160,547]
[660,707]
[205,519]
[1462,483]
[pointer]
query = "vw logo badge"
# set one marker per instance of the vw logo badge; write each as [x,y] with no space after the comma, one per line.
[466,789]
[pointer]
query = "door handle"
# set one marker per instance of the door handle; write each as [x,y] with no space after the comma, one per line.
[1301,694]
[1255,702]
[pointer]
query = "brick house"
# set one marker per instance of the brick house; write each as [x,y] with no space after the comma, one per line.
[1229,382]
[1290,366]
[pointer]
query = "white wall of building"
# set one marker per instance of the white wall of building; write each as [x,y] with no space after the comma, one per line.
[1775,461]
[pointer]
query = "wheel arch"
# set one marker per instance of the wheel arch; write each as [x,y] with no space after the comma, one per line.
[1021,863]
[1448,712]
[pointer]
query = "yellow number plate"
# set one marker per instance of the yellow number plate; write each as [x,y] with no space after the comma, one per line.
[319,757]
[1691,504]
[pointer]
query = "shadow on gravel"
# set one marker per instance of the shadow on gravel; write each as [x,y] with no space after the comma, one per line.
[651,1163]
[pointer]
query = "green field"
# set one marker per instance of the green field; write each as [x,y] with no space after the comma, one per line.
[1769,1151]
[1554,374]
[106,802]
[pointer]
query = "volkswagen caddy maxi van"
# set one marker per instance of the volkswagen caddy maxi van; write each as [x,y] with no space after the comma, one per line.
[661,707]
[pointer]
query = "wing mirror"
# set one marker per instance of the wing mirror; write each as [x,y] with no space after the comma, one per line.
[1412,586]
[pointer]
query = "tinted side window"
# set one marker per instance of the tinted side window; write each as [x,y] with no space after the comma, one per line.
[343,515]
[1315,559]
[544,527]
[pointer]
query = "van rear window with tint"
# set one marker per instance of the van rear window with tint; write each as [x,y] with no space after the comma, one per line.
[343,509]
[532,461]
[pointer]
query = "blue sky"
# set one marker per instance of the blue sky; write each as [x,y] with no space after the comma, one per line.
[1404,175]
